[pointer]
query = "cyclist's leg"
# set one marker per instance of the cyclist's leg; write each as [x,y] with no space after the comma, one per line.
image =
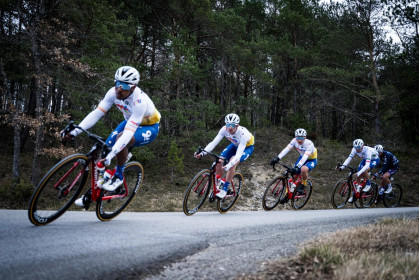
[246,154]
[228,153]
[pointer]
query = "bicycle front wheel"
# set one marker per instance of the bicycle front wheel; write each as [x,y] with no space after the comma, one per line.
[368,198]
[299,200]
[273,193]
[111,204]
[340,194]
[197,192]
[393,198]
[58,189]
[233,194]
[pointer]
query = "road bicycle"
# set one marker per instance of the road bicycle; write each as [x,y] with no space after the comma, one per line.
[392,199]
[280,188]
[200,187]
[63,183]
[342,191]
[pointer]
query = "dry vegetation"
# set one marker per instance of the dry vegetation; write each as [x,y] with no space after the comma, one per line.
[388,249]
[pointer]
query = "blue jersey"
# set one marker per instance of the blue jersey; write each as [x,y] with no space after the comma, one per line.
[389,162]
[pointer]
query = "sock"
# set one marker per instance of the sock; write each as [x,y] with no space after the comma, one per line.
[226,184]
[119,171]
[304,182]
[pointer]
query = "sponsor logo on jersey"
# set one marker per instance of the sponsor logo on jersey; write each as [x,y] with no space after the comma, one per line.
[123,108]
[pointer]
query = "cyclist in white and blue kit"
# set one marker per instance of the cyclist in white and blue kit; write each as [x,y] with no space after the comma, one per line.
[240,149]
[369,160]
[140,127]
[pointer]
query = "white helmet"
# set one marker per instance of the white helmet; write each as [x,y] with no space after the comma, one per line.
[301,132]
[127,74]
[232,118]
[358,143]
[379,148]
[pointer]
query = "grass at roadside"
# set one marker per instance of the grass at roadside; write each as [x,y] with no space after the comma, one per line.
[388,249]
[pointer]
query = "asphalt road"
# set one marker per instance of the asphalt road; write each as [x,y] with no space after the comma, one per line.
[207,245]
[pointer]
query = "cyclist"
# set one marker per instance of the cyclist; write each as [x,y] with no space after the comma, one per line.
[369,160]
[305,162]
[140,127]
[389,168]
[240,149]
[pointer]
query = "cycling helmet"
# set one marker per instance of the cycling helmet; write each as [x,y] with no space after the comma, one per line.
[127,74]
[358,143]
[379,148]
[232,118]
[301,132]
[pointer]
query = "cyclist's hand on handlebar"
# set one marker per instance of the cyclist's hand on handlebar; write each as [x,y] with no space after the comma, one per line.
[274,161]
[294,170]
[198,155]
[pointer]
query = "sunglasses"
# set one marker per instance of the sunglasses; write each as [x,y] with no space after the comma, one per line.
[124,86]
[358,147]
[299,138]
[232,125]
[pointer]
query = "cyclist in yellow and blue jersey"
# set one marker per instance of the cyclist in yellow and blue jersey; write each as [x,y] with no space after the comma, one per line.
[140,127]
[305,162]
[240,149]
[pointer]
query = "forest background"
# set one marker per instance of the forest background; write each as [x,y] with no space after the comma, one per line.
[330,68]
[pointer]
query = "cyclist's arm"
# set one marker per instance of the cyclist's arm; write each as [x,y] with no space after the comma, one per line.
[286,150]
[215,142]
[132,124]
[351,156]
[239,152]
[93,117]
[307,153]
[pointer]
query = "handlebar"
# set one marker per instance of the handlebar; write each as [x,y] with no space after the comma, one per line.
[352,169]
[71,126]
[217,157]
[283,165]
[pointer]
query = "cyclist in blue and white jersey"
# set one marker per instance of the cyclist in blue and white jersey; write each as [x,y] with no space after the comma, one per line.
[240,149]
[305,162]
[140,127]
[369,160]
[389,168]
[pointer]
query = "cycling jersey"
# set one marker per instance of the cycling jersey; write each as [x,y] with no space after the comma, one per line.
[138,109]
[242,138]
[367,153]
[389,162]
[306,150]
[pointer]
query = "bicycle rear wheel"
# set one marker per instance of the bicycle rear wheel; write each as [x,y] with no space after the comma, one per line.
[298,201]
[273,193]
[197,192]
[111,204]
[58,189]
[233,194]
[340,194]
[368,198]
[393,199]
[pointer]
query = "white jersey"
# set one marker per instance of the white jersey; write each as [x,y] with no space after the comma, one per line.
[138,109]
[306,150]
[242,138]
[366,153]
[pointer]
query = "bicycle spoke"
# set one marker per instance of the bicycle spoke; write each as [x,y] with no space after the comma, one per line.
[111,204]
[340,193]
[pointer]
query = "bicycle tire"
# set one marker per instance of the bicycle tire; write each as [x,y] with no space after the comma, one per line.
[226,204]
[340,193]
[368,198]
[197,192]
[299,201]
[273,193]
[49,200]
[107,209]
[393,199]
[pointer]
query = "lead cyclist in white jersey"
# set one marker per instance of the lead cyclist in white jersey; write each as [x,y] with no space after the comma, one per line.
[140,127]
[239,150]
[306,161]
[369,160]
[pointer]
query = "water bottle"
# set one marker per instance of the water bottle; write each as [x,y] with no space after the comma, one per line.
[292,185]
[221,185]
[100,170]
[357,187]
[217,179]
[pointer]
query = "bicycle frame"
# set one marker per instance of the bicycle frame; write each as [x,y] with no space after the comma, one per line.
[213,180]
